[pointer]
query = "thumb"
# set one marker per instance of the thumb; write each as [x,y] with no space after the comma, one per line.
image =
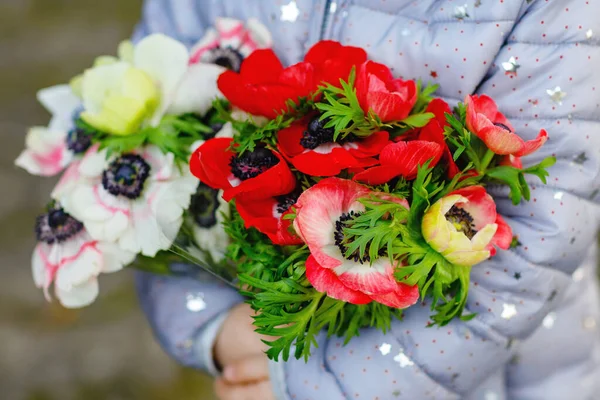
[250,369]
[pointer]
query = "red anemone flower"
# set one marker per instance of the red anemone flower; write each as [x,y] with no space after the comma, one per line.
[491,126]
[267,216]
[259,174]
[378,91]
[263,87]
[434,132]
[320,215]
[311,149]
[401,159]
[333,61]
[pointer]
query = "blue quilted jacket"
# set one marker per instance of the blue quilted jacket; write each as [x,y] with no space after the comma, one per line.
[535,335]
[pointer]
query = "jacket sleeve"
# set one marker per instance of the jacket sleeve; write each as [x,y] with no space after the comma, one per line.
[185,311]
[555,45]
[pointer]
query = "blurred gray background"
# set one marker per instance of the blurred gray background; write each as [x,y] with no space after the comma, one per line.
[48,353]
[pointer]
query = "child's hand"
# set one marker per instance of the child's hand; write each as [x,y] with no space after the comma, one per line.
[237,339]
[247,379]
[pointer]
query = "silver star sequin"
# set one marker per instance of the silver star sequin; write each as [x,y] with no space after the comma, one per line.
[489,395]
[559,195]
[511,66]
[589,323]
[290,12]
[333,7]
[581,158]
[557,95]
[460,12]
[508,311]
[195,302]
[403,360]
[578,275]
[549,320]
[589,34]
[385,349]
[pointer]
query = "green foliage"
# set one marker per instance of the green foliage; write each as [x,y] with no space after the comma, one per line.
[289,309]
[342,111]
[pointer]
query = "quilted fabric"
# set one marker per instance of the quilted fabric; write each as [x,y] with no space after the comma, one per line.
[536,335]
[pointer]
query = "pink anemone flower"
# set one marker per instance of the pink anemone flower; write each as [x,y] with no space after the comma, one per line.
[321,213]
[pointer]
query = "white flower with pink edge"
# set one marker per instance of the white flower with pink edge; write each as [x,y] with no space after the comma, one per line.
[135,200]
[230,42]
[51,148]
[69,258]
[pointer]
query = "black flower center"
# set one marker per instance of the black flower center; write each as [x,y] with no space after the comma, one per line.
[316,134]
[78,141]
[462,221]
[204,206]
[126,176]
[285,202]
[225,57]
[251,164]
[501,125]
[345,221]
[56,226]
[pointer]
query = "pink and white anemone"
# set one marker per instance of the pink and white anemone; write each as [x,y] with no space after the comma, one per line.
[319,209]
[47,152]
[137,205]
[230,42]
[67,257]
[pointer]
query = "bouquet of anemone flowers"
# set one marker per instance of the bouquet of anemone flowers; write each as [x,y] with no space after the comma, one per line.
[122,134]
[353,194]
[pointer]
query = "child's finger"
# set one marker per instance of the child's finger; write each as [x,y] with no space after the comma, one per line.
[247,370]
[256,391]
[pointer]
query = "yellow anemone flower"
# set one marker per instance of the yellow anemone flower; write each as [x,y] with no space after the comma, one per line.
[450,227]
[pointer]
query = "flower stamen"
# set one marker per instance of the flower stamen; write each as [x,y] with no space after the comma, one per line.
[252,164]
[126,176]
[56,226]
[462,221]
[341,240]
[204,206]
[316,134]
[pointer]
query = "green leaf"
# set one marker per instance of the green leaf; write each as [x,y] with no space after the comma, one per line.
[418,120]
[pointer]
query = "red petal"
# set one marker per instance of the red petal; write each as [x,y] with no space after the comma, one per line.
[512,161]
[481,205]
[324,164]
[210,163]
[301,77]
[326,281]
[322,51]
[501,141]
[532,146]
[439,108]
[377,175]
[258,213]
[286,235]
[504,235]
[367,279]
[403,297]
[262,66]
[275,181]
[289,139]
[407,156]
[370,146]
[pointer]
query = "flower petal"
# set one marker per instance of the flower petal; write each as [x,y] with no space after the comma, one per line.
[373,279]
[532,146]
[403,297]
[164,59]
[196,91]
[59,100]
[79,296]
[326,281]
[480,205]
[46,153]
[504,235]
[501,141]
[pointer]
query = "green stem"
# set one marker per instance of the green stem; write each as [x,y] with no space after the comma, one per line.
[485,163]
